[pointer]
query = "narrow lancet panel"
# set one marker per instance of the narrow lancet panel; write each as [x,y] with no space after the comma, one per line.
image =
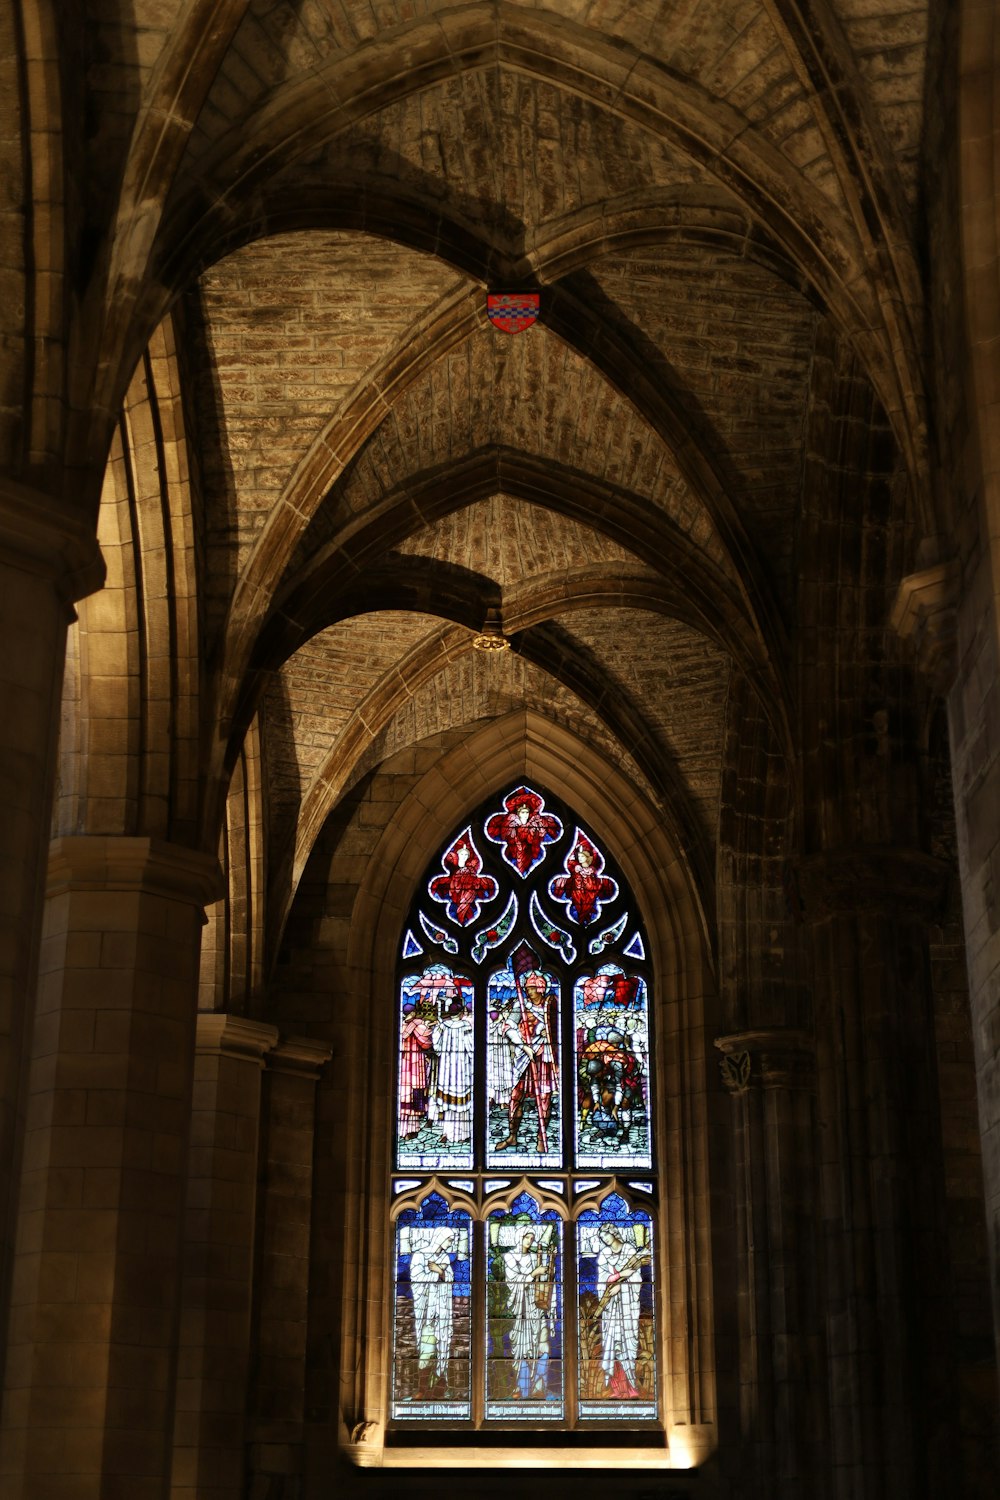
[435,1097]
[615,1323]
[432,1341]
[611,1020]
[524,1125]
[524,1333]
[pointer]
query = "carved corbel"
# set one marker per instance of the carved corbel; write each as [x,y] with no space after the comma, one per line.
[775,1057]
[925,612]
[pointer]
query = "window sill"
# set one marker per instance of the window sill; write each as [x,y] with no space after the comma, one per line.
[550,1456]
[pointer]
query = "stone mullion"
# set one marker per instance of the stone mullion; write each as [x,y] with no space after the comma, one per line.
[48,560]
[89,1389]
[277,1400]
[217,1285]
[770,1074]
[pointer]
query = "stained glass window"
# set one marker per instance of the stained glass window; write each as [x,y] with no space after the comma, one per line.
[524,1225]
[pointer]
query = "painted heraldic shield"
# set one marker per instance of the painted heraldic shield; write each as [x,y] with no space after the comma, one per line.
[512,312]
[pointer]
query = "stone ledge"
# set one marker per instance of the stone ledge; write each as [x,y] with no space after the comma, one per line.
[300,1055]
[104,862]
[47,536]
[232,1036]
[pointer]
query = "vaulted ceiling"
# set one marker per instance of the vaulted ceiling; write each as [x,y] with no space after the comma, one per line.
[719,203]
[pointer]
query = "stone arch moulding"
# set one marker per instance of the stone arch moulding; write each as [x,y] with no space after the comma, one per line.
[525,746]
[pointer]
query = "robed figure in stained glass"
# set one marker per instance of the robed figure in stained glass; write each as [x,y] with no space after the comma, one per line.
[523,829]
[528,1273]
[414,1068]
[583,887]
[619,1288]
[431,1278]
[464,887]
[453,1043]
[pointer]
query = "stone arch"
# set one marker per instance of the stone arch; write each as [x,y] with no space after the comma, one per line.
[134,767]
[375,711]
[715,607]
[525,745]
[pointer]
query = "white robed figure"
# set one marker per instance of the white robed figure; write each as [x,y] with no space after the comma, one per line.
[501,1057]
[431,1281]
[619,1288]
[452,1040]
[525,1267]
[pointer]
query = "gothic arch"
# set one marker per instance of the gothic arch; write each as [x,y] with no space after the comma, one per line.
[524,745]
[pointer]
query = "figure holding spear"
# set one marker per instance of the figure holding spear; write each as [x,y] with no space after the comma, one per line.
[533,1045]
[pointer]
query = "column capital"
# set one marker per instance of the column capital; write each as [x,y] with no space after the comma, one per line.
[896,882]
[774,1057]
[925,611]
[233,1036]
[300,1055]
[44,534]
[112,862]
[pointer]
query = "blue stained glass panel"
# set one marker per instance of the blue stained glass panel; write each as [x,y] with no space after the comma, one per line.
[436,1075]
[615,1322]
[432,1333]
[634,948]
[524,1314]
[612,1070]
[410,945]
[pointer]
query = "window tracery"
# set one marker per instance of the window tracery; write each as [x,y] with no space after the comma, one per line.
[524,1291]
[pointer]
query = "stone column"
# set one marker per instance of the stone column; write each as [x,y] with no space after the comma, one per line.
[771,1076]
[90,1379]
[881,1178]
[48,560]
[277,1411]
[217,1269]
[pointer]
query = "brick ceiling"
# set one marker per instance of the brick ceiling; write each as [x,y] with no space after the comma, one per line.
[702,191]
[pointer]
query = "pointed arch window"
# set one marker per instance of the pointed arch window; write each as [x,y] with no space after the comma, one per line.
[524,1189]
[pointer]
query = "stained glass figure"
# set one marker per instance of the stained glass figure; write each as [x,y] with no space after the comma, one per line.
[634,948]
[556,937]
[410,945]
[616,1340]
[523,1114]
[524,1332]
[583,889]
[463,886]
[437,934]
[492,937]
[432,1366]
[523,829]
[612,1054]
[436,1070]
